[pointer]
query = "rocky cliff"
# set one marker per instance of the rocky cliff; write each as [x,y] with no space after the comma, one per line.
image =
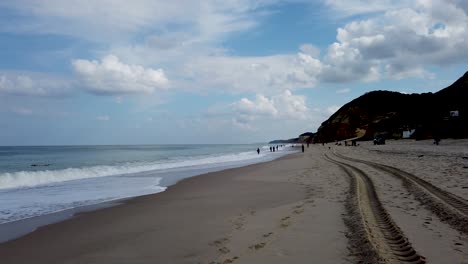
[441,114]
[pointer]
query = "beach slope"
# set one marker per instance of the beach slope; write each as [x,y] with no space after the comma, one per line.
[274,212]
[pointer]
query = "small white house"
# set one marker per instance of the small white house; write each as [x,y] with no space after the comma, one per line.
[454,113]
[408,133]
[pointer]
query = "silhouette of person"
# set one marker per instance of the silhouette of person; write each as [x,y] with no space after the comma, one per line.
[302,147]
[276,147]
[258,151]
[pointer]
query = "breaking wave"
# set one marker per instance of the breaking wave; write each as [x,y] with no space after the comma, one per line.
[22,179]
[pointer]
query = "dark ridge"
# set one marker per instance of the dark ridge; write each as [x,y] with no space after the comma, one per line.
[430,115]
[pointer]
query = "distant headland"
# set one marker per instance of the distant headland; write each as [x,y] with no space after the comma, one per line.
[395,115]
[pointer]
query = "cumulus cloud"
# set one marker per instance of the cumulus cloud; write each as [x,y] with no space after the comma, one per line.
[384,39]
[111,76]
[278,115]
[310,49]
[400,43]
[33,84]
[261,106]
[266,75]
[283,105]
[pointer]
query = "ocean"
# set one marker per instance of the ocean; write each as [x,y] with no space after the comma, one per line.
[43,180]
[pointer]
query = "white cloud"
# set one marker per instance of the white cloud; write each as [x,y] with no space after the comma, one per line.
[401,41]
[267,75]
[104,20]
[398,44]
[310,49]
[33,84]
[111,76]
[103,118]
[284,105]
[389,39]
[261,106]
[343,91]
[291,106]
[282,115]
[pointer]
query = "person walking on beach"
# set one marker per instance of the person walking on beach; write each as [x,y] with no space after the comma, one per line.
[258,151]
[302,147]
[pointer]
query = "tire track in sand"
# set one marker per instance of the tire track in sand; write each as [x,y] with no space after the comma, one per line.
[447,206]
[375,238]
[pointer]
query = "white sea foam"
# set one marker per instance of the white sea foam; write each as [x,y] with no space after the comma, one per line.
[31,194]
[21,179]
[27,203]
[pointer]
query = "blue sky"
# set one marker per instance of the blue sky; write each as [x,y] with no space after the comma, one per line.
[233,71]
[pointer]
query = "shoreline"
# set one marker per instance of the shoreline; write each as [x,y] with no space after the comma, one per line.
[16,229]
[194,220]
[289,210]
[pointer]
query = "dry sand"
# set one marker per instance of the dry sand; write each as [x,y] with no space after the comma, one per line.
[446,167]
[291,210]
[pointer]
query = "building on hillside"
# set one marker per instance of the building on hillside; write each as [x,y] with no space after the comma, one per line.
[408,133]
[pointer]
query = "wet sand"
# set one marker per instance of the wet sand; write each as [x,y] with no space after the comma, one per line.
[272,212]
[291,210]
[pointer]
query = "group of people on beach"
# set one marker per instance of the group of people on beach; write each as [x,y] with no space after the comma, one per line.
[272,148]
[275,148]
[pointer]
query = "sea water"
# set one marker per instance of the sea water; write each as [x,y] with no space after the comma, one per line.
[42,180]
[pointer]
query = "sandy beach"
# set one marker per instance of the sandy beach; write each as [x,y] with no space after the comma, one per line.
[402,202]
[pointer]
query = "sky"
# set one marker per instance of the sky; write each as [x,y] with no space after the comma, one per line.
[213,71]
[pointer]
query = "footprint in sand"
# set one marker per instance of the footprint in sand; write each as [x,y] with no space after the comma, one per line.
[239,222]
[219,242]
[285,221]
[229,260]
[224,250]
[258,246]
[220,245]
[298,211]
